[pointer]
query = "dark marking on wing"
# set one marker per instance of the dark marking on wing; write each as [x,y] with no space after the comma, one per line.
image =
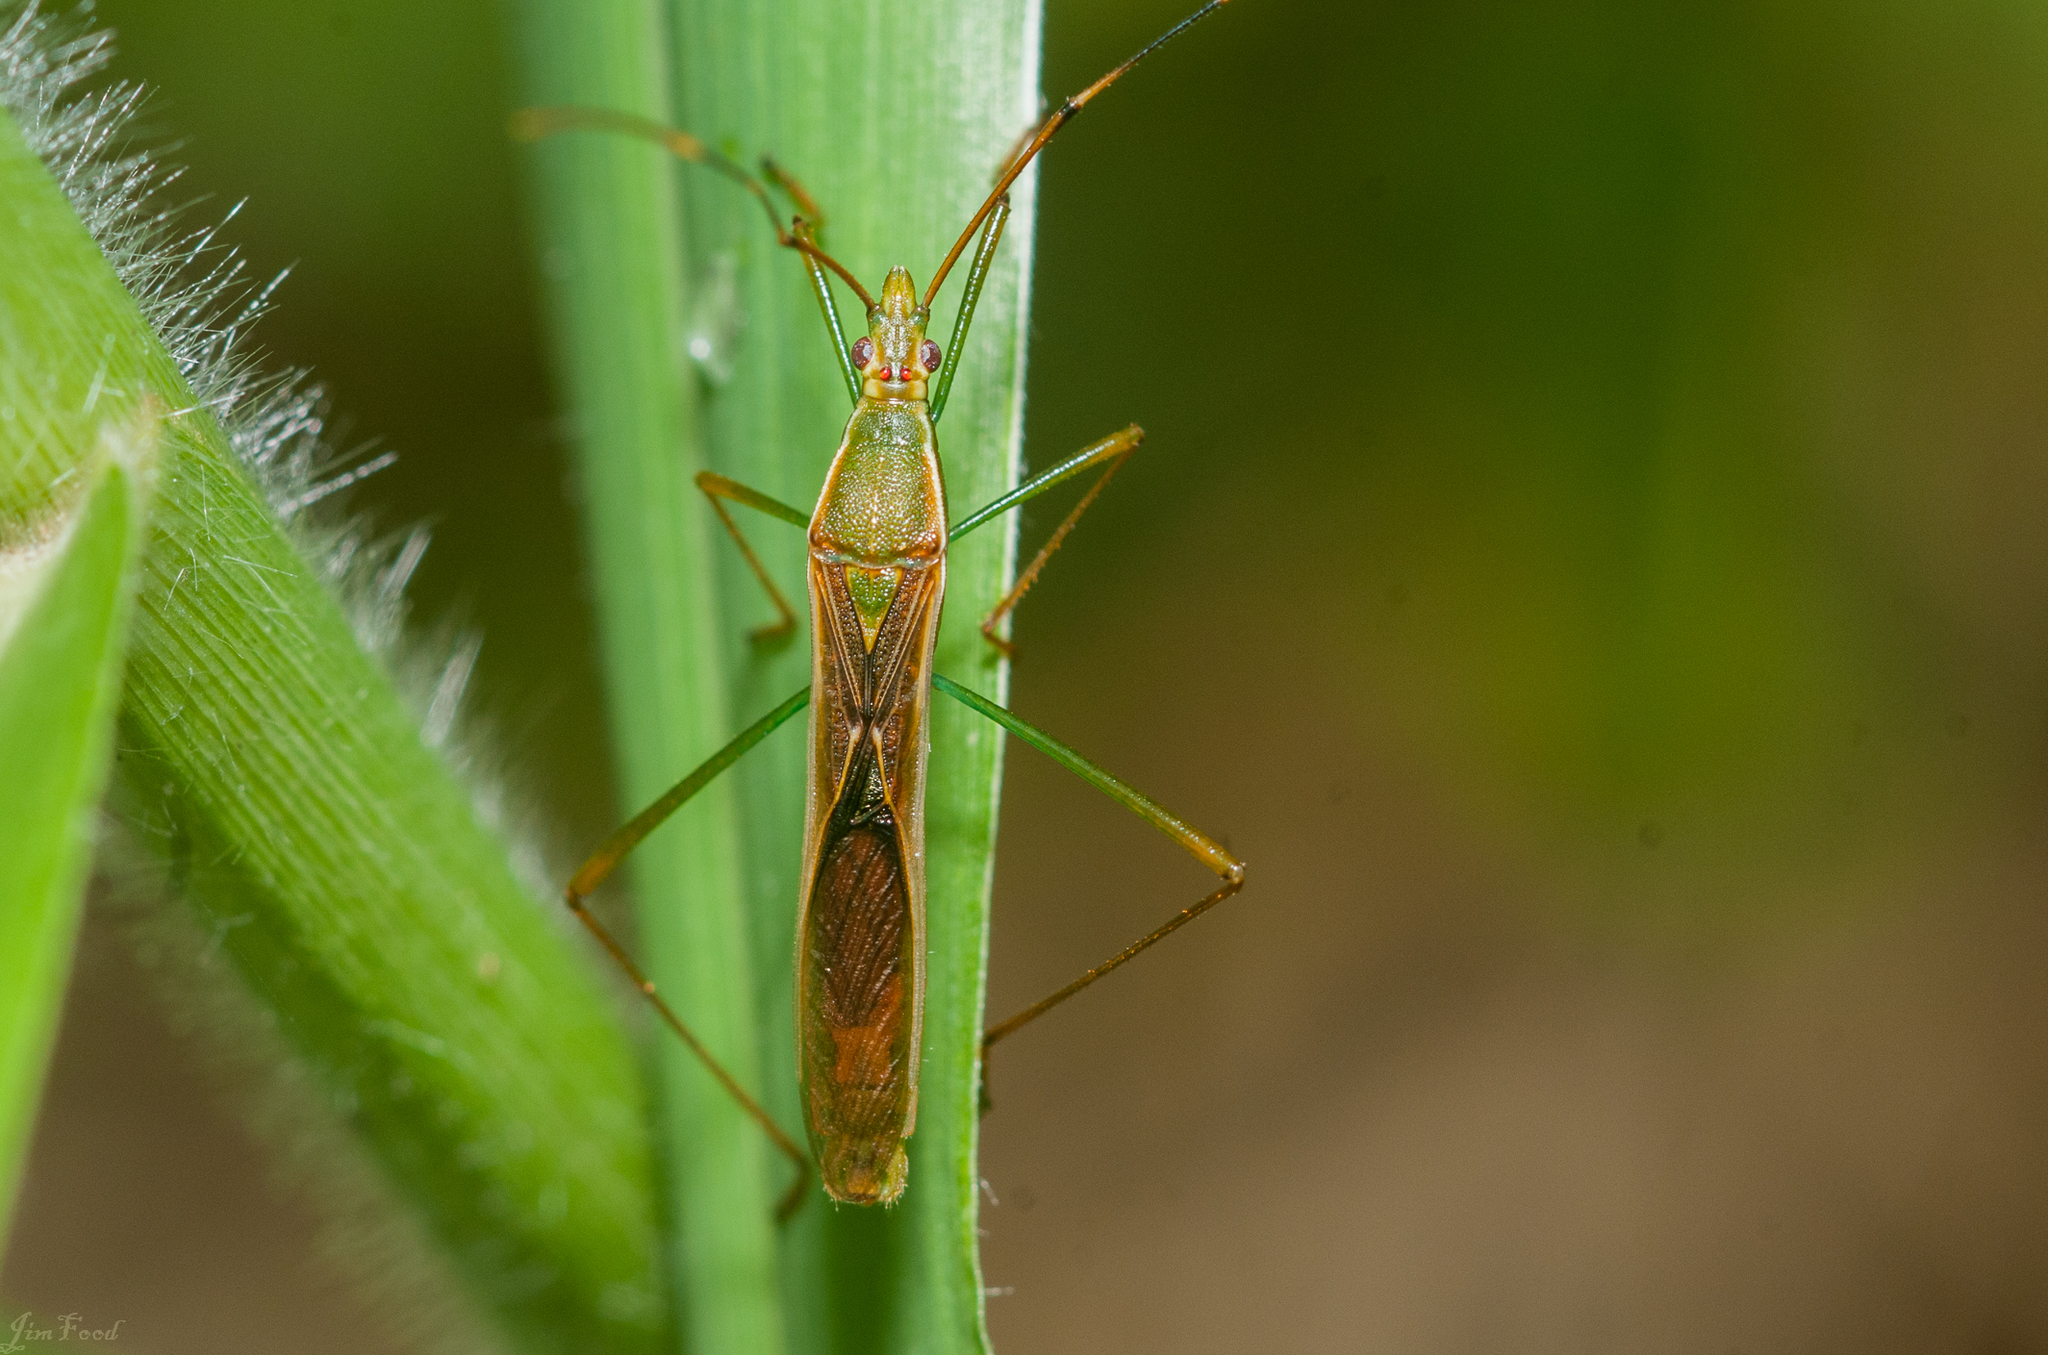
[856,1050]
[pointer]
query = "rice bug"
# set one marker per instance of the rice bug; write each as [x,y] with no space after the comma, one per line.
[876,582]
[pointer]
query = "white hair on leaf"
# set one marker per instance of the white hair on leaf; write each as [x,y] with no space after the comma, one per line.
[196,295]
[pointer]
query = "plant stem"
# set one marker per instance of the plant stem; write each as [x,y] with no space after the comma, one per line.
[612,246]
[338,867]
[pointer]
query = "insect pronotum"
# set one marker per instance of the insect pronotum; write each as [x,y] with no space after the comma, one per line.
[876,577]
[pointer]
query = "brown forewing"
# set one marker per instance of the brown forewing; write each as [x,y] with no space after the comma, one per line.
[860,976]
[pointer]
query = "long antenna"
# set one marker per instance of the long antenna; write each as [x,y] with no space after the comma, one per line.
[531,124]
[1046,131]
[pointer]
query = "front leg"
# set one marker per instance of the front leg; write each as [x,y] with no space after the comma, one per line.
[718,489]
[1114,450]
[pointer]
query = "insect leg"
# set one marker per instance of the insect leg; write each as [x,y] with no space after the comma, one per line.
[606,859]
[532,124]
[774,173]
[1114,450]
[977,273]
[1203,848]
[718,488]
[822,286]
[807,227]
[1117,445]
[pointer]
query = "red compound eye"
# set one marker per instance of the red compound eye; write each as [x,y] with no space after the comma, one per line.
[930,354]
[863,352]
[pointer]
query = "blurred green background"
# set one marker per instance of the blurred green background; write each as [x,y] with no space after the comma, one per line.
[1589,559]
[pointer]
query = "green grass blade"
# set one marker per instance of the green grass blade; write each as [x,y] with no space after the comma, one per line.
[612,251]
[437,1012]
[60,679]
[895,118]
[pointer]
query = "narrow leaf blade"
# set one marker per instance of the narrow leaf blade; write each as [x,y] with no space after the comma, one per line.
[60,681]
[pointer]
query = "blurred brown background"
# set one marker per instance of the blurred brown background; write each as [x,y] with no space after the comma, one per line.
[1589,559]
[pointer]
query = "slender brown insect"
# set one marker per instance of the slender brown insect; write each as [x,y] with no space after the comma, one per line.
[877,580]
